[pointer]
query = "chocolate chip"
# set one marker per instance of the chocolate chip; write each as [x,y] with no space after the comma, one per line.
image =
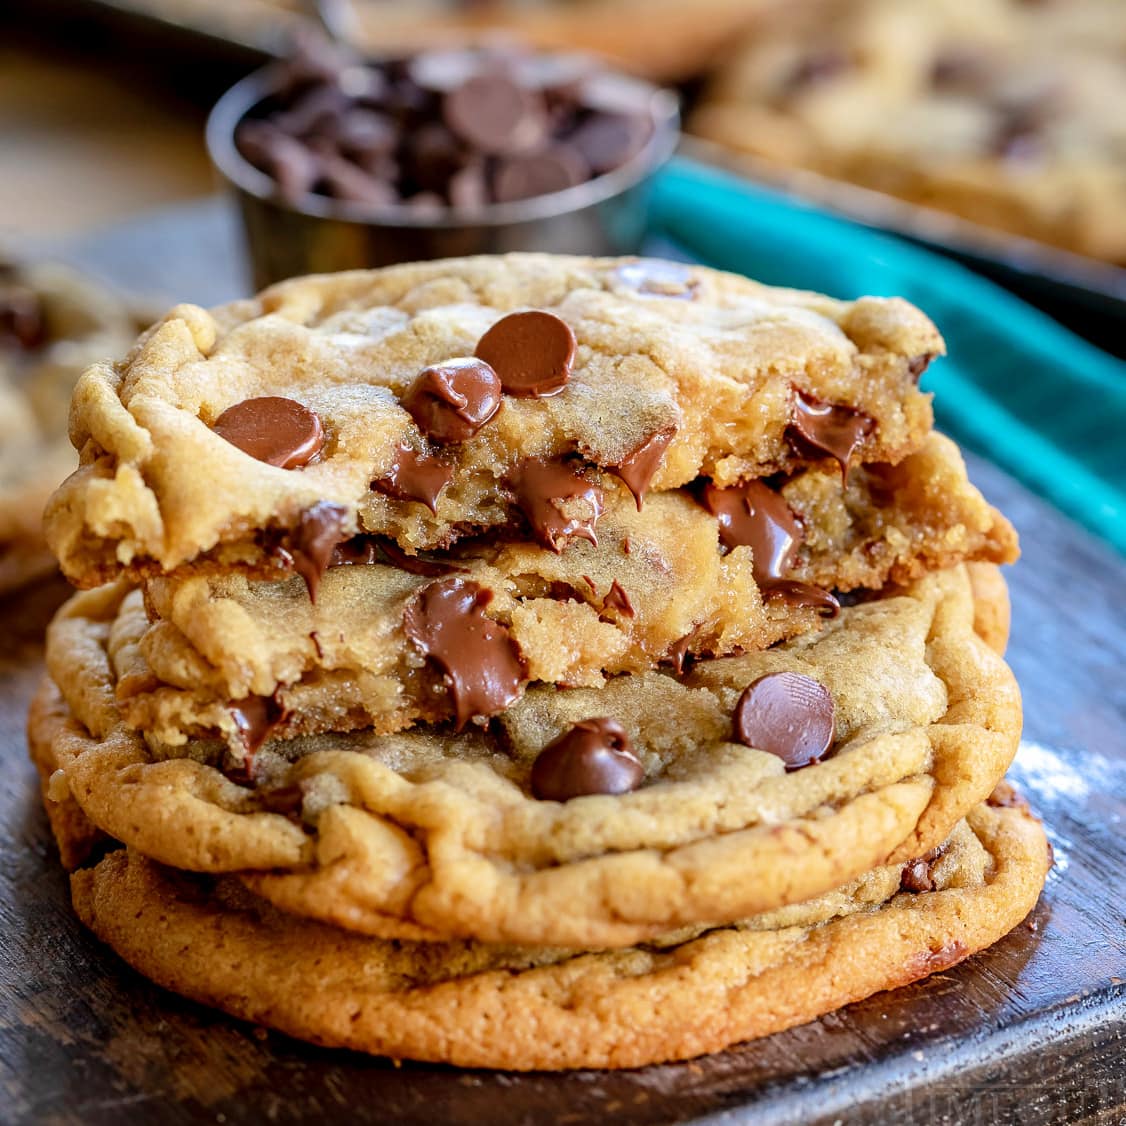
[256,718]
[293,166]
[273,429]
[310,545]
[495,115]
[960,68]
[607,141]
[435,155]
[835,430]
[787,714]
[639,468]
[755,516]
[681,652]
[367,132]
[918,874]
[415,476]
[532,353]
[919,364]
[469,187]
[345,181]
[364,550]
[559,502]
[23,323]
[452,400]
[799,594]
[617,599]
[478,657]
[594,757]
[539,173]
[658,279]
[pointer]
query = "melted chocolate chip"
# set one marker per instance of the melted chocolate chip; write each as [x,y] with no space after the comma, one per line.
[272,429]
[364,550]
[617,599]
[415,476]
[787,714]
[256,718]
[594,757]
[755,516]
[478,657]
[559,502]
[639,468]
[532,353]
[496,115]
[918,874]
[799,594]
[681,652]
[835,430]
[451,401]
[311,544]
[658,279]
[919,364]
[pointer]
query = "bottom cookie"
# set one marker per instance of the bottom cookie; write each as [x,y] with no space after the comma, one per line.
[476,1005]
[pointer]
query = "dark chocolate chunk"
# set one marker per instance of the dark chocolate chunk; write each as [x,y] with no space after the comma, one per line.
[639,468]
[273,429]
[415,476]
[479,659]
[559,502]
[532,353]
[787,714]
[838,431]
[594,757]
[452,400]
[919,364]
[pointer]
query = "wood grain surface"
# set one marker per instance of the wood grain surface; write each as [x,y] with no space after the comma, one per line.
[1031,1031]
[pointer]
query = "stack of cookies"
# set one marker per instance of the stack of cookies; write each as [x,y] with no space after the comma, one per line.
[531,662]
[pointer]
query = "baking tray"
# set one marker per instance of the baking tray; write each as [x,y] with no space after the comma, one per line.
[1032,1031]
[1084,293]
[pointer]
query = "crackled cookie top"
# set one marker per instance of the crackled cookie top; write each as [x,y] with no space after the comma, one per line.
[449,831]
[477,1005]
[435,400]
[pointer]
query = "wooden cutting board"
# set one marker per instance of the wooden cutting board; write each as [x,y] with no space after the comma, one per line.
[1030,1031]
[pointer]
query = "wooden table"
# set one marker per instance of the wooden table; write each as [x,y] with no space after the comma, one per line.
[1031,1031]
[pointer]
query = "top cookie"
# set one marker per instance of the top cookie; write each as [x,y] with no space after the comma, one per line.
[416,403]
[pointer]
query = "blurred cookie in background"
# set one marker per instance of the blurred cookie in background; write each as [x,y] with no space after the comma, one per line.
[53,323]
[1001,112]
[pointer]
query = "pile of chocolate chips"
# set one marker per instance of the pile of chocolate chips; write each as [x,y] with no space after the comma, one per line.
[447,128]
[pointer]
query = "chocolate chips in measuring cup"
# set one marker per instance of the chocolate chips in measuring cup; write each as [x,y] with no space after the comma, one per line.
[460,128]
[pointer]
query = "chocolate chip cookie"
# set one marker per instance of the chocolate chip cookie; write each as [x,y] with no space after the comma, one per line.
[881,731]
[198,654]
[1001,111]
[53,324]
[545,1008]
[429,402]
